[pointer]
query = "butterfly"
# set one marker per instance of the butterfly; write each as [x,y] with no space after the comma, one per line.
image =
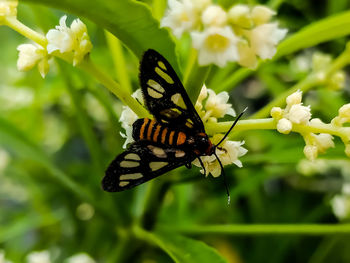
[175,137]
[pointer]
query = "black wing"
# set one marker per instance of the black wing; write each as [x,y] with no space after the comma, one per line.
[165,96]
[143,161]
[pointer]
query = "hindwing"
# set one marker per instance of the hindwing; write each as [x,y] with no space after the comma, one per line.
[165,96]
[143,161]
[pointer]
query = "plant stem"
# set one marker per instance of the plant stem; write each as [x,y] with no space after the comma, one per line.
[195,76]
[270,124]
[261,229]
[116,49]
[114,87]
[21,28]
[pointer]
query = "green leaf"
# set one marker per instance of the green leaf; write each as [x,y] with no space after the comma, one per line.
[332,27]
[130,21]
[183,249]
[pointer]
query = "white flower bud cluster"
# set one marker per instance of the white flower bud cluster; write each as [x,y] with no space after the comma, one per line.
[241,34]
[74,42]
[8,8]
[320,62]
[296,113]
[210,106]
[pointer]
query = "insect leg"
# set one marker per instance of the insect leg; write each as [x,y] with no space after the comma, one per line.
[202,164]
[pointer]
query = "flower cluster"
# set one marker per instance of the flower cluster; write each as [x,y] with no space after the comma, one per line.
[240,34]
[210,107]
[297,114]
[8,8]
[73,42]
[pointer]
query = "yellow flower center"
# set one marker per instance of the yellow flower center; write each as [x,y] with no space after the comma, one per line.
[184,17]
[217,42]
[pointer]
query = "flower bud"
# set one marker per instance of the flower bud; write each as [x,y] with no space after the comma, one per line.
[294,98]
[276,113]
[240,15]
[324,141]
[261,14]
[284,126]
[337,81]
[344,113]
[299,114]
[310,152]
[214,15]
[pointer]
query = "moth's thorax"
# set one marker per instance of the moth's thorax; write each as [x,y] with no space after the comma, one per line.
[201,144]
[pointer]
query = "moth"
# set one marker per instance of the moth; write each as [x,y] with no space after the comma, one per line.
[175,137]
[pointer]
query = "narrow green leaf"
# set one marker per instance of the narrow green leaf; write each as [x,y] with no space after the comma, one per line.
[332,27]
[130,21]
[186,250]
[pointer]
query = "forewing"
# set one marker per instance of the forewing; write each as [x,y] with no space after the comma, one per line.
[142,161]
[165,96]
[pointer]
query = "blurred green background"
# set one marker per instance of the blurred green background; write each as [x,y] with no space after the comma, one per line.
[58,134]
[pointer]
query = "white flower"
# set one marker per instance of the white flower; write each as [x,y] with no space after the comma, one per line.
[324,141]
[247,57]
[240,15]
[261,14]
[80,258]
[181,17]
[284,126]
[65,40]
[7,9]
[128,117]
[294,98]
[344,113]
[299,114]
[214,15]
[31,55]
[341,206]
[39,257]
[228,153]
[215,45]
[217,104]
[2,257]
[264,38]
[200,5]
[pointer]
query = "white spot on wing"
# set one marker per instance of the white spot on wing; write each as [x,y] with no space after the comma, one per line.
[155,85]
[179,153]
[159,152]
[154,94]
[128,164]
[122,184]
[178,100]
[133,176]
[132,156]
[163,75]
[157,165]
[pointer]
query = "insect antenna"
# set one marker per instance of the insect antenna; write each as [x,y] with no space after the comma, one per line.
[222,167]
[225,182]
[233,125]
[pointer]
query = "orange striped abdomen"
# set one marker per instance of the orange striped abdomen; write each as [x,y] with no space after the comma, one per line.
[151,130]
